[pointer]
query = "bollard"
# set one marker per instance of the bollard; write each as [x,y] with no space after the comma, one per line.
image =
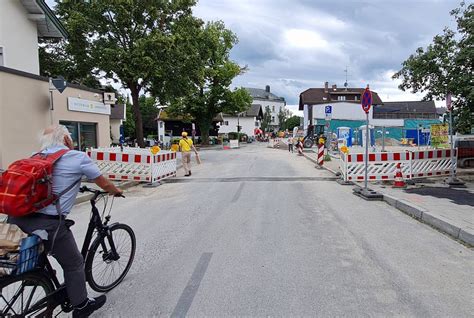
[320,154]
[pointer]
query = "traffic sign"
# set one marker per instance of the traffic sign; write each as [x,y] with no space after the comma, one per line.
[366,100]
[449,104]
[328,111]
[59,83]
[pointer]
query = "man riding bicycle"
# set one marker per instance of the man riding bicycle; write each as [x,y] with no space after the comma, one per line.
[67,174]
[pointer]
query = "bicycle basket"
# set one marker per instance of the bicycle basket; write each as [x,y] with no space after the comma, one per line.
[25,260]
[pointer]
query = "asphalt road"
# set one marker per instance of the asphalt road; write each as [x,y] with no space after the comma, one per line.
[259,232]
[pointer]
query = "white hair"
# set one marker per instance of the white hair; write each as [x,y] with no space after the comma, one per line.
[53,136]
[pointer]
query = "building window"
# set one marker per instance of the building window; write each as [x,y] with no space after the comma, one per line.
[341,97]
[273,118]
[226,123]
[356,97]
[257,124]
[1,56]
[84,135]
[273,108]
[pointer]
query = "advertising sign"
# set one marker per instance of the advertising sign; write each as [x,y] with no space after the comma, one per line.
[439,134]
[87,106]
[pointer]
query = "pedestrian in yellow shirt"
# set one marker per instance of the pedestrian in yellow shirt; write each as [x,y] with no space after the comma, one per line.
[185,146]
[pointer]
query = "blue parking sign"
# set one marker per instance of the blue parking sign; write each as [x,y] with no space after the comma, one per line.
[328,109]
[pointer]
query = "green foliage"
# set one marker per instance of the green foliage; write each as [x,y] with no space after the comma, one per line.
[292,122]
[267,119]
[131,42]
[149,113]
[206,92]
[446,65]
[281,119]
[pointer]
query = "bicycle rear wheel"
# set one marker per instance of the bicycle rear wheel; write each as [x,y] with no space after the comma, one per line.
[24,296]
[104,270]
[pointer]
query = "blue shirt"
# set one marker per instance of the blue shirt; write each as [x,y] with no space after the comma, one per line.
[72,166]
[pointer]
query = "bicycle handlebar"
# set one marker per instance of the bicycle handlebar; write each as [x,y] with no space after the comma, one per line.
[96,191]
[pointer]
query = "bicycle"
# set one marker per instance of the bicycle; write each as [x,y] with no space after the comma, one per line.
[37,293]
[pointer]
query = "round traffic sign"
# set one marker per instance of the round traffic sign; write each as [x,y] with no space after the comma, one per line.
[366,100]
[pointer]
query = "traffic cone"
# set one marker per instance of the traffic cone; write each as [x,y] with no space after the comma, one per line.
[399,182]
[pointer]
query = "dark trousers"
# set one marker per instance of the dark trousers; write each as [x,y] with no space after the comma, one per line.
[65,251]
[290,147]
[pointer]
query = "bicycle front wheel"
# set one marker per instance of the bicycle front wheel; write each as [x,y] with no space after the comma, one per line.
[24,296]
[105,268]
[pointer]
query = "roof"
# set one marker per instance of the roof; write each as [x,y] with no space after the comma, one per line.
[255,110]
[314,96]
[48,24]
[406,107]
[441,110]
[117,111]
[258,93]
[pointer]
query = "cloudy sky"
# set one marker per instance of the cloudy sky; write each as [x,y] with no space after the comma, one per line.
[293,45]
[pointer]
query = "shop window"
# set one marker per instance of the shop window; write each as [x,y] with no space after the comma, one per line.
[84,135]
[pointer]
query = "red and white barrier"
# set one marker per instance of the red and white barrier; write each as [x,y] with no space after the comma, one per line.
[320,154]
[383,165]
[432,163]
[134,164]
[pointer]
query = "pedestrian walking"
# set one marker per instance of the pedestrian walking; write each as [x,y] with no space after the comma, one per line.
[185,146]
[290,144]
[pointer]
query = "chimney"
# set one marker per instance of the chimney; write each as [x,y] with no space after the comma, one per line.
[334,87]
[326,87]
[267,88]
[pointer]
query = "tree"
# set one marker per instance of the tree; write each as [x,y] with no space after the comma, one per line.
[149,112]
[292,122]
[267,119]
[282,118]
[131,42]
[446,65]
[207,92]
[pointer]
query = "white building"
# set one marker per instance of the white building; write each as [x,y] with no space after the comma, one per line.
[267,99]
[22,22]
[248,120]
[345,105]
[28,103]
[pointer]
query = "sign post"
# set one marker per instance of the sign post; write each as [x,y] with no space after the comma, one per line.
[452,180]
[366,104]
[328,112]
[365,193]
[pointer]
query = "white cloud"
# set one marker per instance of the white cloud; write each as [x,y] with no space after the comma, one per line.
[301,38]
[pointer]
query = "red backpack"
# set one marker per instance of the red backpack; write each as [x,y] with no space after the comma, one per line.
[26,186]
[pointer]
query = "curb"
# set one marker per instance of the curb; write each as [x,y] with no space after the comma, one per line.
[87,197]
[324,167]
[465,235]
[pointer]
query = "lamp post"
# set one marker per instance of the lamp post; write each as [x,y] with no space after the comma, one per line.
[452,180]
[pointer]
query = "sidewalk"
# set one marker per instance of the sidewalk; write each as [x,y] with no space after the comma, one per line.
[449,210]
